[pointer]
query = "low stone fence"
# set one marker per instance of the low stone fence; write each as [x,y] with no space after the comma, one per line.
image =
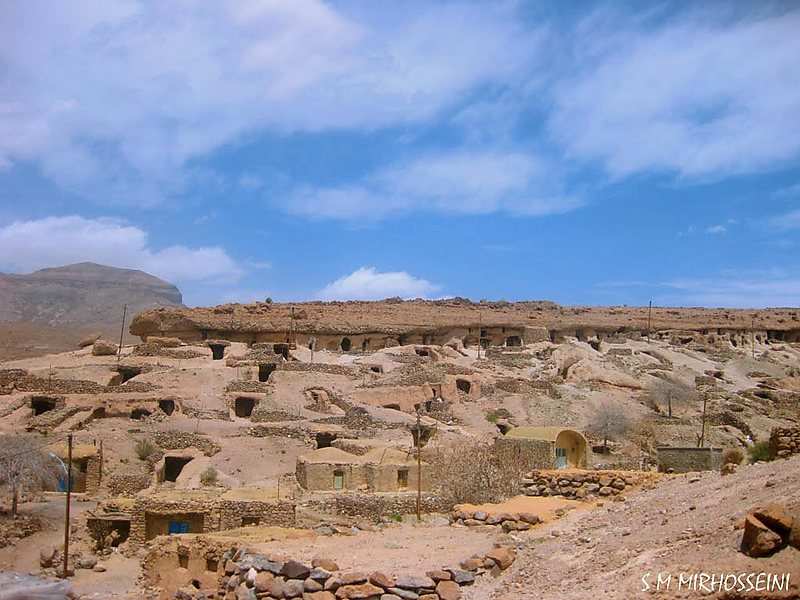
[238,573]
[319,368]
[684,460]
[375,506]
[179,440]
[128,484]
[581,484]
[785,441]
[506,521]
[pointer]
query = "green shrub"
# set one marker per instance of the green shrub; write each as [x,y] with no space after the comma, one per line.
[397,518]
[145,449]
[492,416]
[209,476]
[761,451]
[732,456]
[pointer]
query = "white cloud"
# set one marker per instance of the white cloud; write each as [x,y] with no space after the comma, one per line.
[716,229]
[463,182]
[786,221]
[369,284]
[740,290]
[114,98]
[700,97]
[53,241]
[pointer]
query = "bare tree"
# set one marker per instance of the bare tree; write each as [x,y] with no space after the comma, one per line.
[25,466]
[610,423]
[471,471]
[671,394]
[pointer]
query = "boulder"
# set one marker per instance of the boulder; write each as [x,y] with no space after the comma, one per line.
[462,577]
[263,580]
[320,574]
[293,588]
[360,591]
[381,580]
[529,518]
[758,539]
[794,535]
[774,516]
[325,563]
[104,348]
[353,578]
[87,562]
[293,569]
[312,585]
[319,596]
[164,342]
[439,575]
[448,590]
[502,557]
[89,340]
[415,582]
[47,557]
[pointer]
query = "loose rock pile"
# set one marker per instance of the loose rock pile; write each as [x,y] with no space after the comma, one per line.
[579,484]
[506,521]
[255,576]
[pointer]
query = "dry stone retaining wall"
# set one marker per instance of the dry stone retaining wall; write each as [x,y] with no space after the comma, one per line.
[376,506]
[580,484]
[179,440]
[128,484]
[684,460]
[785,441]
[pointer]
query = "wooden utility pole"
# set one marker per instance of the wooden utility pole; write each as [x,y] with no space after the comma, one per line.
[419,467]
[649,318]
[703,425]
[291,328]
[753,335]
[122,332]
[480,334]
[66,516]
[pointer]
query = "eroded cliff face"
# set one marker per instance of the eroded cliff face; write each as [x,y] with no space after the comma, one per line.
[371,325]
[83,295]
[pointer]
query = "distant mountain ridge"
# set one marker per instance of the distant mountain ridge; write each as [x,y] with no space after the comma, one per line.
[82,296]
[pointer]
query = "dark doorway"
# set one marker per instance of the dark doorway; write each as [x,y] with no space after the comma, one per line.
[138,414]
[264,371]
[365,345]
[421,352]
[173,465]
[402,478]
[42,404]
[513,341]
[376,368]
[217,351]
[128,373]
[243,406]
[463,385]
[99,413]
[282,349]
[250,521]
[324,439]
[392,406]
[345,345]
[167,406]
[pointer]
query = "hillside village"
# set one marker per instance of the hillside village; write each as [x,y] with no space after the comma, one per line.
[277,451]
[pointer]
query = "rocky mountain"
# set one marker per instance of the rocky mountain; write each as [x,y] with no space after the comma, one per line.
[83,296]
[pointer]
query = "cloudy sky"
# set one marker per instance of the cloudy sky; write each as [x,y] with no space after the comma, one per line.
[581,152]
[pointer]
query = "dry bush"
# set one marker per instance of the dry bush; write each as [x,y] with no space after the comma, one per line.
[609,422]
[469,471]
[732,456]
[670,394]
[209,476]
[145,449]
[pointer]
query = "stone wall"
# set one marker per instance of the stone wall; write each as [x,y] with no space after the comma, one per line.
[527,453]
[581,484]
[128,484]
[320,368]
[375,507]
[150,514]
[684,460]
[202,567]
[179,440]
[785,441]
[94,473]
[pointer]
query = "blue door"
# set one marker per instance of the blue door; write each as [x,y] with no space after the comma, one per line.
[561,458]
[178,527]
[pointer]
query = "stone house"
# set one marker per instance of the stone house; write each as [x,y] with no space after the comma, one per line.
[381,469]
[544,448]
[87,467]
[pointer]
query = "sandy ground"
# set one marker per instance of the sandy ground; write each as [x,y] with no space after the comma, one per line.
[677,526]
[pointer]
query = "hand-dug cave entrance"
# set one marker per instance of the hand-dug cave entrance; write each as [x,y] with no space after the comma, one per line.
[243,406]
[137,414]
[167,406]
[513,341]
[463,385]
[173,466]
[345,345]
[264,371]
[324,439]
[42,404]
[217,351]
[281,349]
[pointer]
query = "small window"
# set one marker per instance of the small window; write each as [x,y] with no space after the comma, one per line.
[183,561]
[248,521]
[402,478]
[338,480]
[178,527]
[211,565]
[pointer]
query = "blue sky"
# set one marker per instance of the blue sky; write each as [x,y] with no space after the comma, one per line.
[584,152]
